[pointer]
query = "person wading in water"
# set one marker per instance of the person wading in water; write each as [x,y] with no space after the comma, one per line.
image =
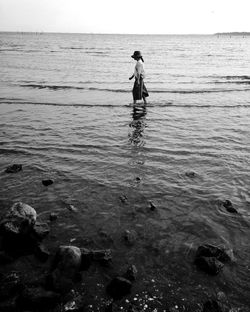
[139,89]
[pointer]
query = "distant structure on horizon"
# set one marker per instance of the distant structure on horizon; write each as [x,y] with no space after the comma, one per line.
[233,34]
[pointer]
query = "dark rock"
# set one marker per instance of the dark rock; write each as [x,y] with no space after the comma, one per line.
[129,237]
[47,182]
[14,168]
[67,263]
[8,305]
[109,307]
[131,273]
[103,257]
[68,258]
[38,299]
[16,228]
[5,258]
[138,179]
[41,252]
[152,206]
[86,259]
[53,216]
[213,306]
[123,199]
[190,174]
[119,287]
[72,208]
[133,308]
[40,230]
[229,206]
[208,250]
[10,285]
[209,265]
[18,220]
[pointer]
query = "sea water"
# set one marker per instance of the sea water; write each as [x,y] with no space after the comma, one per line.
[67,114]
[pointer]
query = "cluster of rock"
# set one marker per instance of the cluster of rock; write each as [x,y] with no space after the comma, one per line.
[19,167]
[211,259]
[22,234]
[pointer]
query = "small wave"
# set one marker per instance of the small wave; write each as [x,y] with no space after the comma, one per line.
[243,77]
[71,48]
[152,104]
[61,87]
[242,82]
[199,91]
[64,87]
[229,77]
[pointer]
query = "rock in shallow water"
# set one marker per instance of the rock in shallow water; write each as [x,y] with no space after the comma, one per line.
[211,259]
[14,168]
[214,306]
[229,206]
[130,237]
[21,234]
[131,273]
[119,287]
[209,265]
[53,216]
[208,250]
[18,220]
[38,299]
[10,285]
[47,182]
[67,263]
[40,230]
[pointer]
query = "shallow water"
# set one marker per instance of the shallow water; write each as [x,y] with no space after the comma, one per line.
[66,115]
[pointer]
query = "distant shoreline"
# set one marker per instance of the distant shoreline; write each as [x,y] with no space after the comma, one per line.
[129,34]
[233,34]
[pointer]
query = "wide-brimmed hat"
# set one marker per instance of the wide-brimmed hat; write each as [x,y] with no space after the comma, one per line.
[136,54]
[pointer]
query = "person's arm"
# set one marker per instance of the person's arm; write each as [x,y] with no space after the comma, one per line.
[131,77]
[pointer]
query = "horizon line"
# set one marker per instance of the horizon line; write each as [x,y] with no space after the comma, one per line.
[99,33]
[132,34]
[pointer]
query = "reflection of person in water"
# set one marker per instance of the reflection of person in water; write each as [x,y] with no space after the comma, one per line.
[138,125]
[139,89]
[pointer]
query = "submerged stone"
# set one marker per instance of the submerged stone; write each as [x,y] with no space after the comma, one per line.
[130,237]
[18,220]
[5,258]
[208,250]
[41,252]
[209,265]
[152,206]
[211,259]
[119,287]
[131,273]
[47,182]
[102,256]
[214,306]
[10,285]
[40,230]
[14,168]
[229,206]
[65,268]
[38,299]
[190,174]
[53,216]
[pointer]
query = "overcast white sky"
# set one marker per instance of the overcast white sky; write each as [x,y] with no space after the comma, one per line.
[126,16]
